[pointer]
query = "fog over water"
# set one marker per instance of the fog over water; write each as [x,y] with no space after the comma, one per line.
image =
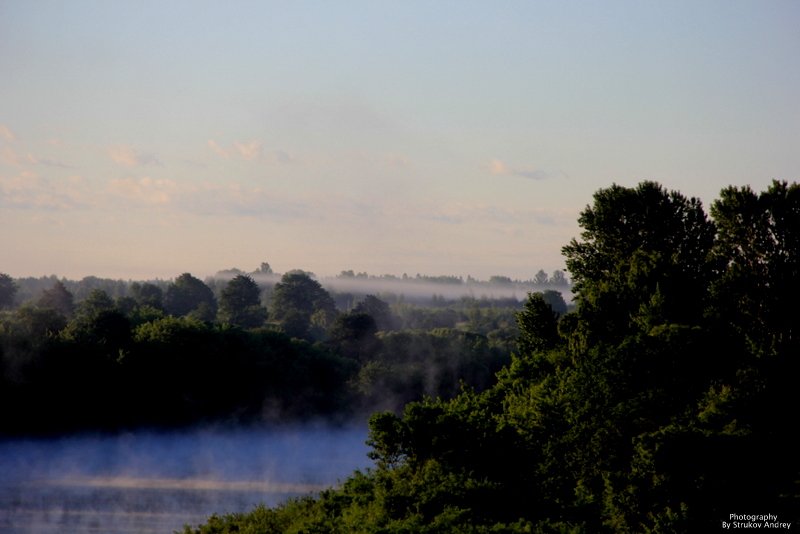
[148,481]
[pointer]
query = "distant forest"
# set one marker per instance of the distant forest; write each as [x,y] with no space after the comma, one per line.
[102,354]
[665,402]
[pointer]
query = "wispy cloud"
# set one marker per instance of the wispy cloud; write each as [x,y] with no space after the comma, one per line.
[254,151]
[5,132]
[30,191]
[498,168]
[51,163]
[251,151]
[128,156]
[218,149]
[146,190]
[9,157]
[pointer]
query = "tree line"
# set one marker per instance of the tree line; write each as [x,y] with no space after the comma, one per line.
[176,354]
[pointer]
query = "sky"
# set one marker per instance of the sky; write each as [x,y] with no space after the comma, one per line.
[143,139]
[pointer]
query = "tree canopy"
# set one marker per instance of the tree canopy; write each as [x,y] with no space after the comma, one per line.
[188,294]
[298,301]
[240,303]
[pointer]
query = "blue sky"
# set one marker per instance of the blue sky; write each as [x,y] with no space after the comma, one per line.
[146,139]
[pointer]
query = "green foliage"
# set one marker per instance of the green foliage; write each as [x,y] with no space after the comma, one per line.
[662,404]
[240,303]
[538,322]
[188,294]
[758,244]
[97,301]
[298,302]
[147,294]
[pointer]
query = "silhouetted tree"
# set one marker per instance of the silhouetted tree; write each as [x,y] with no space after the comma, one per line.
[297,292]
[555,301]
[240,303]
[187,294]
[559,279]
[264,268]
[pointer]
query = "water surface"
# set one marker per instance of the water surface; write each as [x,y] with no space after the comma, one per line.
[147,482]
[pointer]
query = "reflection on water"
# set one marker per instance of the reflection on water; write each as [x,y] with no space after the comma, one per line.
[157,482]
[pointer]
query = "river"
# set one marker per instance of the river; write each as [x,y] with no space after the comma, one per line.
[148,481]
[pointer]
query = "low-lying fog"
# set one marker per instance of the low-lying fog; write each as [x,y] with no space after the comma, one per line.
[150,481]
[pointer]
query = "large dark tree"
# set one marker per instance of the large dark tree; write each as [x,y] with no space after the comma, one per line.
[240,303]
[638,243]
[300,301]
[759,243]
[187,294]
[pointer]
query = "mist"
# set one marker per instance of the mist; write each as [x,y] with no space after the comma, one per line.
[416,288]
[156,481]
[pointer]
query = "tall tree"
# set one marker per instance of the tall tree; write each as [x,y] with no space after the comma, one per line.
[297,292]
[187,294]
[759,246]
[240,303]
[559,278]
[637,242]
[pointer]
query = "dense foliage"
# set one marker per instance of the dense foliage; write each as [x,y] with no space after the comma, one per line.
[662,404]
[109,363]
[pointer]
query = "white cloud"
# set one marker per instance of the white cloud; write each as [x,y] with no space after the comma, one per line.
[251,151]
[5,132]
[498,168]
[128,156]
[30,191]
[218,149]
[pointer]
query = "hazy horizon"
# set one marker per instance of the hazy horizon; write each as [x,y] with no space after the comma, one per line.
[142,140]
